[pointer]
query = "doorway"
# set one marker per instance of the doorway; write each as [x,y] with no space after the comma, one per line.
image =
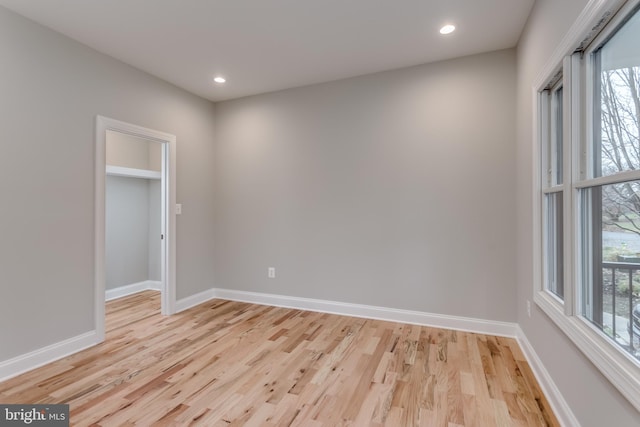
[147,164]
[133,233]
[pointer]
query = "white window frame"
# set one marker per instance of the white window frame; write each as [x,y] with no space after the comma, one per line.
[549,129]
[622,369]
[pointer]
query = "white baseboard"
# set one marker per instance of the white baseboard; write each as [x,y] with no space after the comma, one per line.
[134,288]
[194,300]
[26,362]
[372,312]
[560,407]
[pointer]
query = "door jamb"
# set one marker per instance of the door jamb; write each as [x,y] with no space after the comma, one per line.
[168,213]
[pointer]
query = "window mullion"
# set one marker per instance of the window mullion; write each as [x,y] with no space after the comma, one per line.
[570,104]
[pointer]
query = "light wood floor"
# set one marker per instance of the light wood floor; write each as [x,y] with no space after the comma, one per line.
[235,364]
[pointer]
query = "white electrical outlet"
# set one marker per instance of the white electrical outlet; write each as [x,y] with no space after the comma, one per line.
[178,209]
[529,308]
[271,272]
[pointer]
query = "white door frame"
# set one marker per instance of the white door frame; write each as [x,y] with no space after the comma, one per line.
[168,218]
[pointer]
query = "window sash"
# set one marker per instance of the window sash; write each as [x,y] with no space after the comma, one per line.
[554,244]
[552,111]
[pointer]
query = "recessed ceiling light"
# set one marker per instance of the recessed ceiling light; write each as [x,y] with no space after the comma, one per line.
[219,79]
[447,29]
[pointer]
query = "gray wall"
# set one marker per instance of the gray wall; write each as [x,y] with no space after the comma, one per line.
[127,231]
[51,90]
[132,231]
[393,189]
[154,243]
[132,152]
[594,401]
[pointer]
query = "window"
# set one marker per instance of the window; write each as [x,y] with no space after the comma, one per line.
[589,200]
[553,130]
[611,209]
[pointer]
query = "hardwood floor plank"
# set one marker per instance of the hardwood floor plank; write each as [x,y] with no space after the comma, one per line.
[226,363]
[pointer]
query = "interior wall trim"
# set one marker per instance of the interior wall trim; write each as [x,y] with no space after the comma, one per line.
[560,407]
[467,324]
[193,300]
[42,356]
[134,288]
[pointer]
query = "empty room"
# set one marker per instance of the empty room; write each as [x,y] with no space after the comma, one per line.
[320,213]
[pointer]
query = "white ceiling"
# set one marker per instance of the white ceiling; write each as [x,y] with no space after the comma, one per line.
[267,45]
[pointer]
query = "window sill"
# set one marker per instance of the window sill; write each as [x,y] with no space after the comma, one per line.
[619,367]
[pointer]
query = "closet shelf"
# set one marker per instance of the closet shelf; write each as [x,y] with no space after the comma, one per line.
[132,173]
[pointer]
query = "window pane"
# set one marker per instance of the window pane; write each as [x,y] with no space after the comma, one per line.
[611,254]
[617,81]
[554,244]
[556,136]
[553,135]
